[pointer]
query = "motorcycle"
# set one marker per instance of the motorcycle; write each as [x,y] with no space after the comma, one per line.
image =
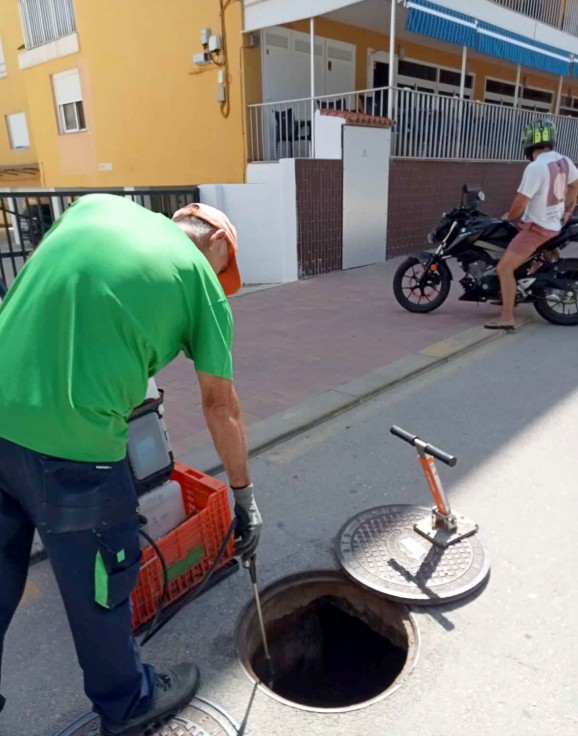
[422,282]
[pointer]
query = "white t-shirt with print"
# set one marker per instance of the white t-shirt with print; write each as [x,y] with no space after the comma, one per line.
[545,182]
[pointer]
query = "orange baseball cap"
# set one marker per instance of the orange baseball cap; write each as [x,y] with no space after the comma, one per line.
[231,277]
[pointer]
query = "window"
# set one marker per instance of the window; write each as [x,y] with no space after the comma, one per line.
[430,78]
[18,130]
[500,92]
[46,20]
[569,106]
[68,98]
[2,61]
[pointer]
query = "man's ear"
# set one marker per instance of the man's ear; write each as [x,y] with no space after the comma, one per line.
[218,235]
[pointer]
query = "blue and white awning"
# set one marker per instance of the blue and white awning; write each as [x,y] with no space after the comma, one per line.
[435,21]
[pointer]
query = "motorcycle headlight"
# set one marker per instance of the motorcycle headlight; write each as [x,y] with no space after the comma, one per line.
[431,238]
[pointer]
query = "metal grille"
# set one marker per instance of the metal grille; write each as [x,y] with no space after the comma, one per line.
[546,11]
[426,126]
[25,217]
[46,20]
[570,24]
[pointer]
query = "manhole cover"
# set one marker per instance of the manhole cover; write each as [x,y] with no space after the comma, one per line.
[200,718]
[380,549]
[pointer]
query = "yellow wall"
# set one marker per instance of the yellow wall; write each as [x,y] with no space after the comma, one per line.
[13,100]
[149,111]
[365,41]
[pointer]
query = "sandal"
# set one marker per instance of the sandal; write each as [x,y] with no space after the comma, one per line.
[497,325]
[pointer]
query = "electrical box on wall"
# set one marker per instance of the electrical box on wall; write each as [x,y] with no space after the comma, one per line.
[205,36]
[221,94]
[201,59]
[215,43]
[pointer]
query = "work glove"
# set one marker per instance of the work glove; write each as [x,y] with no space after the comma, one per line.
[248,523]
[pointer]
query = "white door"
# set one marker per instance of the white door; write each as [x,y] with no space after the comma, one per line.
[277,54]
[301,67]
[366,153]
[339,67]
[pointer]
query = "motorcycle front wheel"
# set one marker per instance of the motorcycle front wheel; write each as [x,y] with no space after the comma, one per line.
[560,306]
[426,296]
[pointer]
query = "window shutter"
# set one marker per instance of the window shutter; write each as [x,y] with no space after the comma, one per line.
[67,87]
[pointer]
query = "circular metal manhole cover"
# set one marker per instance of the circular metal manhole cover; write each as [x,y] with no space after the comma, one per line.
[380,549]
[200,718]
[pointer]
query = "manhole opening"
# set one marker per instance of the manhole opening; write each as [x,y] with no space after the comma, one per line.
[334,645]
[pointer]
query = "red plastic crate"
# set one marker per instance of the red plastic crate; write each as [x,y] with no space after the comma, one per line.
[190,549]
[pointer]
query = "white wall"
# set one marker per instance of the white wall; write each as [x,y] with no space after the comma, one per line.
[265,13]
[264,211]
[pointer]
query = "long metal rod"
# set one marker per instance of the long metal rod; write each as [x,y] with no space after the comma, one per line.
[518,78]
[261,621]
[312,40]
[391,59]
[559,95]
[464,72]
[251,565]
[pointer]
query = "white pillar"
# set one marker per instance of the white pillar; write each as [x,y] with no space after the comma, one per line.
[312,40]
[391,59]
[518,78]
[559,97]
[464,72]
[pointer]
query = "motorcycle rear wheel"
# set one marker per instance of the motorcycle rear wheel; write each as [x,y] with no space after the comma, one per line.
[417,298]
[555,305]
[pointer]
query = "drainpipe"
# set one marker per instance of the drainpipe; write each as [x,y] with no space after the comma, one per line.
[391,59]
[518,80]
[312,39]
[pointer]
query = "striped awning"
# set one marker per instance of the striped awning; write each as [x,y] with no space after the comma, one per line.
[435,21]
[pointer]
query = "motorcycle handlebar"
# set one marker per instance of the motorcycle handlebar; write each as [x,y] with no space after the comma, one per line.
[411,439]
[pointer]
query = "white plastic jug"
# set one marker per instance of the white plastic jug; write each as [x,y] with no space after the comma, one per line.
[164,509]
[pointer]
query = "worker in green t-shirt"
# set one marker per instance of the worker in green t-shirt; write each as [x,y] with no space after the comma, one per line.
[112,295]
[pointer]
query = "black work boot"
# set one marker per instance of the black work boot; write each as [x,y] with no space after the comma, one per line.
[173,691]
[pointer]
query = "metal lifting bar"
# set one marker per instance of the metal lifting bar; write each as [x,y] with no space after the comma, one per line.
[443,527]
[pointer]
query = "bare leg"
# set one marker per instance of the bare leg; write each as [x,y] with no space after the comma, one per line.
[506,267]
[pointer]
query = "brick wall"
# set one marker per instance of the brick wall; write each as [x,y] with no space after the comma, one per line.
[319,216]
[421,190]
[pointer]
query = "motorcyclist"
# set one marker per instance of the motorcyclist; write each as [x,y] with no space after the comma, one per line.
[545,200]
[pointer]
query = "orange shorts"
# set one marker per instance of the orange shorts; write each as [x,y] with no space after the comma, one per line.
[529,239]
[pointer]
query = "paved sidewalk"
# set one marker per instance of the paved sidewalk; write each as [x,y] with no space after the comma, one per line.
[298,340]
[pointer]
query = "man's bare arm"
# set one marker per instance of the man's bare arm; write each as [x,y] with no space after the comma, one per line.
[517,208]
[571,198]
[225,422]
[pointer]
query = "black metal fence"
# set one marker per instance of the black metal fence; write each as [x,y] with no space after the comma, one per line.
[25,217]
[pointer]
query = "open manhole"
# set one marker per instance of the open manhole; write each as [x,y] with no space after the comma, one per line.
[335,646]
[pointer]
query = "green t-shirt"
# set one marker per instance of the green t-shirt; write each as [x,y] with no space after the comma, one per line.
[111,296]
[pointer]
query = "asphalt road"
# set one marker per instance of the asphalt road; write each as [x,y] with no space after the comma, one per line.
[504,662]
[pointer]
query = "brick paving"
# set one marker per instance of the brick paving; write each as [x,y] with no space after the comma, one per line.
[297,340]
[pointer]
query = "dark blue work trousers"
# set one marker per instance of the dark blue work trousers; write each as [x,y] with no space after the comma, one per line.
[86,514]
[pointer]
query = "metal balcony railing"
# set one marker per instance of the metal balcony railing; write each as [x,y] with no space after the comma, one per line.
[46,20]
[562,14]
[546,11]
[426,126]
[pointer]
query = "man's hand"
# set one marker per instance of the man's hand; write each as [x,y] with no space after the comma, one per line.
[249,523]
[506,216]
